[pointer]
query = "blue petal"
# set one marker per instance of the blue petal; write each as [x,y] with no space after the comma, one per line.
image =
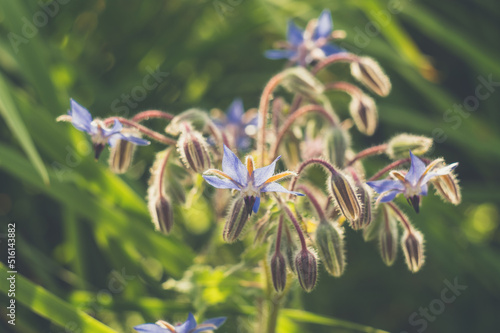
[439,172]
[235,111]
[136,140]
[390,196]
[330,49]
[275,187]
[381,186]
[263,174]
[417,168]
[423,189]
[279,54]
[325,25]
[150,328]
[187,326]
[295,35]
[256,205]
[220,183]
[117,128]
[233,167]
[217,322]
[80,117]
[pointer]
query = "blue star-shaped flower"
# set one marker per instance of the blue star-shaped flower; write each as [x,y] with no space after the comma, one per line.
[189,326]
[237,123]
[99,132]
[251,182]
[303,47]
[414,184]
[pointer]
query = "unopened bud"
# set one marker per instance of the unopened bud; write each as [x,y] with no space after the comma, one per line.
[366,215]
[345,196]
[121,156]
[306,266]
[331,249]
[447,187]
[236,220]
[196,118]
[400,146]
[163,215]
[337,142]
[364,112]
[388,238]
[368,71]
[193,149]
[278,271]
[300,80]
[413,249]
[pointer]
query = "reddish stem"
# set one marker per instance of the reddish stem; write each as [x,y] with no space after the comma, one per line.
[161,173]
[297,227]
[402,217]
[143,129]
[144,115]
[306,163]
[307,191]
[346,87]
[375,150]
[278,235]
[339,57]
[389,167]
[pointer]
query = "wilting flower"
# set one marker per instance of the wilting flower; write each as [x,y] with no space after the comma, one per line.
[303,47]
[189,326]
[252,183]
[239,124]
[414,184]
[100,133]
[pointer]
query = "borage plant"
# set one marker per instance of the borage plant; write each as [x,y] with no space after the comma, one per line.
[301,223]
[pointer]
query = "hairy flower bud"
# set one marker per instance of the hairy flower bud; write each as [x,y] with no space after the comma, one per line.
[345,196]
[300,80]
[400,145]
[447,188]
[121,156]
[306,266]
[163,216]
[278,271]
[388,238]
[236,220]
[364,112]
[372,230]
[193,149]
[368,72]
[331,249]
[337,142]
[413,249]
[366,215]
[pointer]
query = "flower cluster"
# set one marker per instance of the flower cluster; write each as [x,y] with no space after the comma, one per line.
[303,219]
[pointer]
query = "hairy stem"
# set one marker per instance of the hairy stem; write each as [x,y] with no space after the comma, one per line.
[375,150]
[306,163]
[334,58]
[296,225]
[402,217]
[162,169]
[389,167]
[312,198]
[143,129]
[144,115]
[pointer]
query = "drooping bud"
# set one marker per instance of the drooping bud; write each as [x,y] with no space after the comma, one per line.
[447,188]
[306,266]
[413,249]
[278,271]
[366,215]
[337,143]
[193,149]
[400,145]
[388,238]
[236,220]
[121,156]
[364,112]
[300,80]
[368,71]
[345,196]
[331,249]
[164,214]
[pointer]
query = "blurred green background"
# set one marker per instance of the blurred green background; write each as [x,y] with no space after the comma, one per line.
[87,238]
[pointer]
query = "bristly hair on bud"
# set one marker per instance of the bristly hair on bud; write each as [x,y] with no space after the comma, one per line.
[306,266]
[365,196]
[368,71]
[388,238]
[412,243]
[121,156]
[236,220]
[300,80]
[447,188]
[278,271]
[343,192]
[400,145]
[364,112]
[331,248]
[337,142]
[159,205]
[193,149]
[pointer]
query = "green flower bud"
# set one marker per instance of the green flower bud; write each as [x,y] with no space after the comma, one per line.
[364,112]
[278,271]
[399,146]
[163,215]
[345,196]
[372,230]
[331,249]
[300,80]
[366,215]
[121,156]
[368,72]
[236,220]
[306,266]
[337,142]
[413,249]
[193,149]
[388,238]
[447,188]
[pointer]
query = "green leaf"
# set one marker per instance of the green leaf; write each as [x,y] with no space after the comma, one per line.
[45,304]
[9,112]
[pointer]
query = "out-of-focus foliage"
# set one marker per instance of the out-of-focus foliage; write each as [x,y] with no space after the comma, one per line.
[87,238]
